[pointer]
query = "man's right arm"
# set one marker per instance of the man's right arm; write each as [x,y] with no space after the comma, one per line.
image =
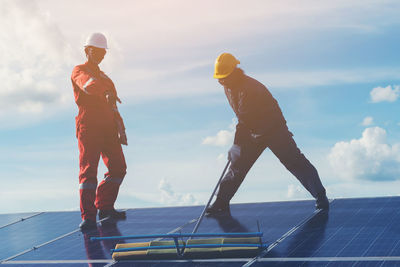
[87,82]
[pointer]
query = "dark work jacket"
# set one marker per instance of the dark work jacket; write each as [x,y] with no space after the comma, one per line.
[258,113]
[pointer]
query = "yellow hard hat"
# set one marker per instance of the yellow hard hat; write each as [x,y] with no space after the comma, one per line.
[225,64]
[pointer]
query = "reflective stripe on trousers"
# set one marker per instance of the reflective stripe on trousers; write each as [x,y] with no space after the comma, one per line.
[87,186]
[113,180]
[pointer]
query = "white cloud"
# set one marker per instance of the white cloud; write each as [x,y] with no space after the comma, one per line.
[296,192]
[35,73]
[169,197]
[163,19]
[367,121]
[388,94]
[222,138]
[163,50]
[369,157]
[308,78]
[36,54]
[363,188]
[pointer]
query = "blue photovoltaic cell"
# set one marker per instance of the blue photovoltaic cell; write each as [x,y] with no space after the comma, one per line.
[353,228]
[218,264]
[78,246]
[35,231]
[179,264]
[327,263]
[6,219]
[275,219]
[58,264]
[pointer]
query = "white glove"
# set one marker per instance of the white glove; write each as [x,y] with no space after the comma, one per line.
[234,153]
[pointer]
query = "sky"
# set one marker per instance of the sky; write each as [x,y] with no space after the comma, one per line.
[333,67]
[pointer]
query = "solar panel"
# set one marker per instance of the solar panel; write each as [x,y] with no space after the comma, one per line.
[7,219]
[355,232]
[319,263]
[182,264]
[274,218]
[76,245]
[352,228]
[35,230]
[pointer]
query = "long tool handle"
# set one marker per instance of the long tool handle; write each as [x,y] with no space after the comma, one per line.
[177,235]
[209,201]
[244,245]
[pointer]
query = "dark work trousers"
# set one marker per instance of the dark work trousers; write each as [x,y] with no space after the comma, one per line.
[286,150]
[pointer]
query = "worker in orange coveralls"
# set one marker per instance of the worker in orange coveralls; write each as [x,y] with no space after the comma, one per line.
[100,132]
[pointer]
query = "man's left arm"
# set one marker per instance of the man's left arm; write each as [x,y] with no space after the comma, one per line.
[112,98]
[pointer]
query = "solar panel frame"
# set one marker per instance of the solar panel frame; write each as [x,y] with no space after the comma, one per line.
[13,218]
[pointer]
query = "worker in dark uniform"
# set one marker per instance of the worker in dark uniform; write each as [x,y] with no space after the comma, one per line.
[260,125]
[100,132]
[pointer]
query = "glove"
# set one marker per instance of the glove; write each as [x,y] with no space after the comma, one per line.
[111,98]
[123,139]
[121,132]
[234,153]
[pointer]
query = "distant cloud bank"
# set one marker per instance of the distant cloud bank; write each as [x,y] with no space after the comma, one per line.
[367,158]
[170,197]
[36,55]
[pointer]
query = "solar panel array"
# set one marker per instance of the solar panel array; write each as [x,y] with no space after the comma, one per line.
[355,232]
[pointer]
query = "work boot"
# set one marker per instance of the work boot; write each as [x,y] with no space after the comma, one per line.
[87,225]
[113,214]
[322,202]
[219,207]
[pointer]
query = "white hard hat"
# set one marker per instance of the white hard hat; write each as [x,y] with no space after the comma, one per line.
[97,40]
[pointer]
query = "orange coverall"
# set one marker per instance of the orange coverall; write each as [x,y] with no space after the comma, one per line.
[97,133]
